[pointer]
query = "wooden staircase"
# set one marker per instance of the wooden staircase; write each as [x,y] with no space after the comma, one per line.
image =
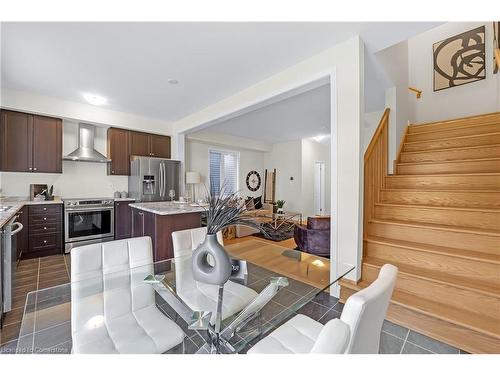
[438,220]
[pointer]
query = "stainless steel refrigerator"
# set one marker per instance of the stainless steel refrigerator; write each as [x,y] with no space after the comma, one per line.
[153,179]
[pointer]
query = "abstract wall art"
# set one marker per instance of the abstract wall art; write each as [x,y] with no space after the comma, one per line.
[460,59]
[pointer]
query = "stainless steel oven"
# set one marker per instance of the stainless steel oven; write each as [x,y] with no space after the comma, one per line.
[88,221]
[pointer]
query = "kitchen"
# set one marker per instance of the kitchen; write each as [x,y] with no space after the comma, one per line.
[108,183]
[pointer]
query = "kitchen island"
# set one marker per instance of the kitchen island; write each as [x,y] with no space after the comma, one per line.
[159,219]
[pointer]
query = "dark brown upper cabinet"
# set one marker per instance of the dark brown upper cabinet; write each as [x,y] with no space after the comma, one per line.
[160,146]
[139,144]
[118,152]
[30,143]
[47,144]
[124,143]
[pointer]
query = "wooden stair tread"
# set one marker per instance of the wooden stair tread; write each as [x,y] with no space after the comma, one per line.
[457,137]
[486,117]
[478,322]
[459,253]
[466,126]
[422,273]
[493,174]
[450,162]
[444,208]
[430,190]
[437,226]
[451,148]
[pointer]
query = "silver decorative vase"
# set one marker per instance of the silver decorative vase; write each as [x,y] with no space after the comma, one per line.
[210,262]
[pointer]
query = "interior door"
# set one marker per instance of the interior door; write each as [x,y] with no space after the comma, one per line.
[319,188]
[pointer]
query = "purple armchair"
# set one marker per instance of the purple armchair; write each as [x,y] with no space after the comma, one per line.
[315,237]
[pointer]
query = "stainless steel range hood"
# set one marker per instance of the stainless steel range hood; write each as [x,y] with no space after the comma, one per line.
[86,150]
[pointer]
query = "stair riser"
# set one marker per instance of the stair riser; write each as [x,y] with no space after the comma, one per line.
[445,294]
[449,216]
[444,182]
[442,198]
[453,124]
[451,133]
[468,166]
[459,154]
[467,269]
[453,334]
[435,236]
[482,140]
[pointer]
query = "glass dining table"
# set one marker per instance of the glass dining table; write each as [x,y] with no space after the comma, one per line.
[47,325]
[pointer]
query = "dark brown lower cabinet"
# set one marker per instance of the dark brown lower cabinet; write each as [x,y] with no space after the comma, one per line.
[45,230]
[160,228]
[123,220]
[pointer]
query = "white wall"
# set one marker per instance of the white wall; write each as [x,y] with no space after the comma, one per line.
[465,100]
[286,158]
[370,124]
[197,160]
[312,152]
[78,180]
[346,62]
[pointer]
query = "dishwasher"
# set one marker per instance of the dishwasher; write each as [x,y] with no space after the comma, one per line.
[8,262]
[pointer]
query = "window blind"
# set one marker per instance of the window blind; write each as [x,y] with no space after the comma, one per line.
[224,167]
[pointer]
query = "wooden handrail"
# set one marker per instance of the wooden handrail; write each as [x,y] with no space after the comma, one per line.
[384,121]
[416,91]
[375,168]
[497,57]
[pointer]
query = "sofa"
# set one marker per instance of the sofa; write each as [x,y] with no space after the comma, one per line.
[314,238]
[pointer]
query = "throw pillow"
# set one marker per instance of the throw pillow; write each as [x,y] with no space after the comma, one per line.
[257,201]
[249,203]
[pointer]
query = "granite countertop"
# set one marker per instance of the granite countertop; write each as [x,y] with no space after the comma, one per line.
[123,199]
[17,203]
[168,208]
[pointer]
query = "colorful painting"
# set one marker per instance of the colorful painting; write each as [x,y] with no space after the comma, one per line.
[496,44]
[460,59]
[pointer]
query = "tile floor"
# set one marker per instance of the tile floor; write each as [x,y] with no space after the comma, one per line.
[32,274]
[50,271]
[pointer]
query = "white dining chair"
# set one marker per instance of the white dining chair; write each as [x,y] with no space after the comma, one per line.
[199,296]
[112,309]
[357,330]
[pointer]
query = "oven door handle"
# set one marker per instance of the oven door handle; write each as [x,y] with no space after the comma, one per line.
[89,209]
[18,229]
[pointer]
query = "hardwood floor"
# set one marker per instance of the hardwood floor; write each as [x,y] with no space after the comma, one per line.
[437,220]
[309,269]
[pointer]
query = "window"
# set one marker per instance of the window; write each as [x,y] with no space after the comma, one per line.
[223,169]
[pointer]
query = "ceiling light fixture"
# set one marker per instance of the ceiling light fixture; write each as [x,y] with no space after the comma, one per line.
[95,99]
[319,138]
[172,81]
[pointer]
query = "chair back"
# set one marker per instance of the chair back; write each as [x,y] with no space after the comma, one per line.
[107,281]
[365,312]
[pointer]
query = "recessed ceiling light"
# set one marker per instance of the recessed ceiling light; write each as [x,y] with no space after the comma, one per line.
[95,99]
[319,138]
[173,81]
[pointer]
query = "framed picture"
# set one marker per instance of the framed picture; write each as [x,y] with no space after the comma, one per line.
[460,59]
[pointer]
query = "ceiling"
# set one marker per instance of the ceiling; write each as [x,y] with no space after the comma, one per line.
[130,63]
[301,116]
